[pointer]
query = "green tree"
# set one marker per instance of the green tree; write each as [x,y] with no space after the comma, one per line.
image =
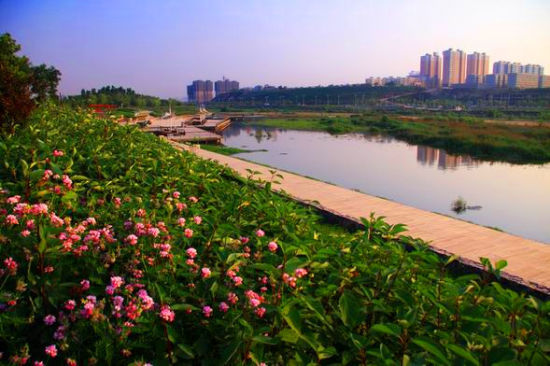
[21,84]
[44,82]
[15,79]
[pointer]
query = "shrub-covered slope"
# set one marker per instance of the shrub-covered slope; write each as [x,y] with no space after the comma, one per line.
[117,249]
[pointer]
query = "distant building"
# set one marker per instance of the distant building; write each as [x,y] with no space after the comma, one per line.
[477,66]
[496,80]
[544,81]
[523,81]
[200,91]
[454,67]
[225,86]
[516,75]
[430,70]
[375,81]
[533,69]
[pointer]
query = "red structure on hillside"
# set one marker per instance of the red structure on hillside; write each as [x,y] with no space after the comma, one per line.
[101,108]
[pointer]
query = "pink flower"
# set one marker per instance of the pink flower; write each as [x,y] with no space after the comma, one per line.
[188,233]
[13,200]
[25,233]
[47,174]
[88,310]
[70,305]
[237,280]
[300,272]
[38,363]
[141,212]
[223,307]
[244,239]
[260,233]
[109,290]
[197,220]
[205,272]
[55,220]
[254,302]
[84,285]
[176,195]
[272,246]
[11,220]
[191,252]
[167,314]
[181,206]
[49,319]
[30,224]
[11,265]
[51,350]
[153,231]
[57,153]
[232,298]
[181,222]
[67,182]
[117,201]
[117,281]
[260,312]
[207,311]
[193,199]
[132,239]
[39,209]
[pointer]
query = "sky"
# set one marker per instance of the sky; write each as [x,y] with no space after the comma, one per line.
[157,47]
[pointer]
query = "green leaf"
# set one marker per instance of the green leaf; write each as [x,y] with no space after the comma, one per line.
[429,346]
[390,329]
[465,354]
[266,340]
[350,309]
[288,335]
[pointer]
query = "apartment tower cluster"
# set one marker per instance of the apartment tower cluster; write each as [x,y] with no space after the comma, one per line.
[456,69]
[202,91]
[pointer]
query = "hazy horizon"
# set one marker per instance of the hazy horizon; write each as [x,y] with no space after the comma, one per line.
[158,48]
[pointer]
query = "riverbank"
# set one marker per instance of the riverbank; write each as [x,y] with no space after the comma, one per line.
[519,144]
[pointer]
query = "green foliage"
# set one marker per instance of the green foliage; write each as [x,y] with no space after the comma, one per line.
[321,296]
[21,84]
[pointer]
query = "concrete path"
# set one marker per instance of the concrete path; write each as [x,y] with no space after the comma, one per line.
[528,260]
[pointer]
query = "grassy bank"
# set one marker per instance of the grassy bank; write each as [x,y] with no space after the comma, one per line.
[117,249]
[459,135]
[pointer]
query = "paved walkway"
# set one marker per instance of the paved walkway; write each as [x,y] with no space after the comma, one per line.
[528,260]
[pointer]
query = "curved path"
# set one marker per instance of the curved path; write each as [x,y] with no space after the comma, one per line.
[528,260]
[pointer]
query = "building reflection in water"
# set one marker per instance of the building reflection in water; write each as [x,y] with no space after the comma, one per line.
[429,156]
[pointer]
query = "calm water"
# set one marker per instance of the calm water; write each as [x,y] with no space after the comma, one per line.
[514,198]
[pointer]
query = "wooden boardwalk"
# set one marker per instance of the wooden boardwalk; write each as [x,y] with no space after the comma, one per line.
[528,260]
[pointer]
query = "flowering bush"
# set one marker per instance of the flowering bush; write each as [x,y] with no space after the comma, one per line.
[117,249]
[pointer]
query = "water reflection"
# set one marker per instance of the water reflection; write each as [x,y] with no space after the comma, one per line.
[515,198]
[428,156]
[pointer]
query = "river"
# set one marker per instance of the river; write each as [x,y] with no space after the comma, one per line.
[513,198]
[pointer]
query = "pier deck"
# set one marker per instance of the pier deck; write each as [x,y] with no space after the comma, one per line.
[528,260]
[195,134]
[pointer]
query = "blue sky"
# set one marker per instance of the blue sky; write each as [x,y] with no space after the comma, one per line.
[158,47]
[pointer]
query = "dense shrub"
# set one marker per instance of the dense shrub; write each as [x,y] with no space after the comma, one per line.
[117,249]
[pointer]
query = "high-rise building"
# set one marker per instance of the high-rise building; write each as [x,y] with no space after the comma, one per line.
[200,91]
[516,75]
[225,86]
[454,67]
[533,69]
[430,70]
[523,80]
[476,68]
